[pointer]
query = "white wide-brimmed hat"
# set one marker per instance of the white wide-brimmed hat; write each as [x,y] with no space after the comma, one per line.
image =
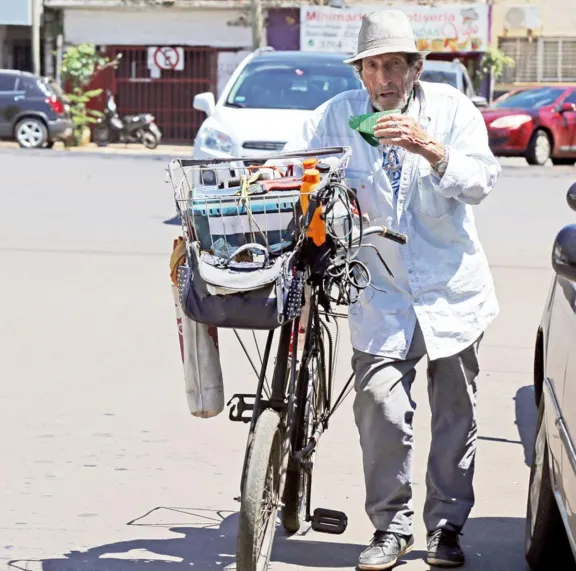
[385,32]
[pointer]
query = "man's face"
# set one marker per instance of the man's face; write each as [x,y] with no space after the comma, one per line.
[389,80]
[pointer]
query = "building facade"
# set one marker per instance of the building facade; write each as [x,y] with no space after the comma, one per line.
[173,49]
[15,38]
[541,37]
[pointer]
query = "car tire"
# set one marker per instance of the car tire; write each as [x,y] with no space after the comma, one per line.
[545,535]
[563,161]
[31,133]
[539,148]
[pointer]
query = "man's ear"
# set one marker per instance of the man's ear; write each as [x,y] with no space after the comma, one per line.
[419,67]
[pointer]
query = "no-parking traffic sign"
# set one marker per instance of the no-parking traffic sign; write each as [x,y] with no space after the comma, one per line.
[166,57]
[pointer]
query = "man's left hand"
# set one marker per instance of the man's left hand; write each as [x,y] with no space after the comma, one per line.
[403,131]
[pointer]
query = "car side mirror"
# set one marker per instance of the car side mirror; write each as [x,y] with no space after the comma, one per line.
[479,101]
[205,102]
[567,107]
[571,197]
[564,253]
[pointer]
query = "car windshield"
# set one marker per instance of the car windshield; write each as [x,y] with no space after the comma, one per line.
[273,85]
[436,76]
[530,98]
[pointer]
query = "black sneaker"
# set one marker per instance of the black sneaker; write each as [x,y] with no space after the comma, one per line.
[384,551]
[444,549]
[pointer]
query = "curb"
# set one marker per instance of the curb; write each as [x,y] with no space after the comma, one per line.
[166,156]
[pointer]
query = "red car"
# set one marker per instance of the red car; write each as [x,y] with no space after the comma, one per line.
[538,124]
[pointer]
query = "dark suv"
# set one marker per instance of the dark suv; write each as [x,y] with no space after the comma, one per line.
[32,110]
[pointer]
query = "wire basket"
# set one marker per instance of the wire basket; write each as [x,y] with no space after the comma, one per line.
[224,206]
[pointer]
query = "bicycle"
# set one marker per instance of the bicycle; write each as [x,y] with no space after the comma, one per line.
[288,416]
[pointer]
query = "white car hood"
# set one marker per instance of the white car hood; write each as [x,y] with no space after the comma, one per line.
[279,125]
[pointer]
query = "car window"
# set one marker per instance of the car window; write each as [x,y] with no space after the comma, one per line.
[530,98]
[7,82]
[31,86]
[571,98]
[55,87]
[468,86]
[271,85]
[435,76]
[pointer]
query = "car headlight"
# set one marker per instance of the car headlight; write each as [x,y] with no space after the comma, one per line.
[510,121]
[215,140]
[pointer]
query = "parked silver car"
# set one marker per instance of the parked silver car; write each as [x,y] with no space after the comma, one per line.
[453,73]
[551,510]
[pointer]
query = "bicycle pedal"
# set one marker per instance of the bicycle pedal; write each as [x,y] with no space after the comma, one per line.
[329,521]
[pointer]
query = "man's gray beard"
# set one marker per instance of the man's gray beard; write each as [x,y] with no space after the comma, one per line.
[401,106]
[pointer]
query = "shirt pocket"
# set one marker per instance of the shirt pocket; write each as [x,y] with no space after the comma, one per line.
[425,199]
[362,181]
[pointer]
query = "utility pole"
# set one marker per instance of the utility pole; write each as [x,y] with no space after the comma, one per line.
[258,40]
[36,8]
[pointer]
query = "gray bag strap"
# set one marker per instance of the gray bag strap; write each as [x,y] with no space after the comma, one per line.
[245,276]
[247,247]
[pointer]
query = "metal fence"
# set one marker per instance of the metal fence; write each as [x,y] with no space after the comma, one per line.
[168,97]
[540,60]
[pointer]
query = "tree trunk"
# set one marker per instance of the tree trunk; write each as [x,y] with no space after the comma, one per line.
[492,84]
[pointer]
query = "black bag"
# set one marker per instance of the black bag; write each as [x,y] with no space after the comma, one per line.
[238,295]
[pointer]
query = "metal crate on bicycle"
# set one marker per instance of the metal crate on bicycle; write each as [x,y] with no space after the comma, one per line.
[275,246]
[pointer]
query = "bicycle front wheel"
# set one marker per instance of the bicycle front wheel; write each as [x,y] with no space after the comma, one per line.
[310,402]
[261,495]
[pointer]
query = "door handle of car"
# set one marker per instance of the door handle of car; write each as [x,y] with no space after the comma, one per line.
[18,97]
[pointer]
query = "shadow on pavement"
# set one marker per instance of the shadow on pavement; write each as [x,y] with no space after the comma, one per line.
[207,543]
[494,543]
[490,544]
[206,540]
[175,221]
[526,416]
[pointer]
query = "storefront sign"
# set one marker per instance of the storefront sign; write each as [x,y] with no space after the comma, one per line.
[450,28]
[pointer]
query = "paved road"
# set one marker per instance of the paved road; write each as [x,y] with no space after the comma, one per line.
[104,470]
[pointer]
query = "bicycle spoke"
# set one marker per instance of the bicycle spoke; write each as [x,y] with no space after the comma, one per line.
[266,386]
[268,508]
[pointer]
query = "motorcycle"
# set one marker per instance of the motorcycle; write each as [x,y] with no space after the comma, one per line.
[111,128]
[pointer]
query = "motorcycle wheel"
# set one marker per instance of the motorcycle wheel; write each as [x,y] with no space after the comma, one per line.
[149,140]
[101,135]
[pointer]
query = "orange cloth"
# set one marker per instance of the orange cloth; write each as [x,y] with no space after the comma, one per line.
[178,258]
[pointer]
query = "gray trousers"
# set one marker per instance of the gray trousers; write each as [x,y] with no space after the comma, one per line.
[384,409]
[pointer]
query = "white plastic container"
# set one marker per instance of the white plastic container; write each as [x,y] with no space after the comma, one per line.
[201,360]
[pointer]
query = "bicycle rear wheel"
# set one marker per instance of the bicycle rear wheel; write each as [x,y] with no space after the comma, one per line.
[261,495]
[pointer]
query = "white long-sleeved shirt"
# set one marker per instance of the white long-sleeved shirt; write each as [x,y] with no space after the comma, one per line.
[441,276]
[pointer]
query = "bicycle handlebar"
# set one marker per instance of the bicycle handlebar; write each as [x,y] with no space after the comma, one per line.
[387,233]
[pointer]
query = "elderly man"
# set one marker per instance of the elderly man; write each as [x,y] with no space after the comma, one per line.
[427,166]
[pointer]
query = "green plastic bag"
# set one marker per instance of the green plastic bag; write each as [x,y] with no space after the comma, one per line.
[365,124]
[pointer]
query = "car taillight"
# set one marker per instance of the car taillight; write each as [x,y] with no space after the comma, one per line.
[56,105]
